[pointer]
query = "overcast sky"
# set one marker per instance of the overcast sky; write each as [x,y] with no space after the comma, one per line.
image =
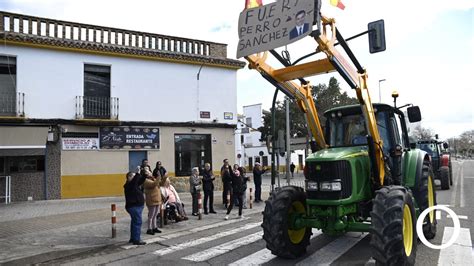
[429,58]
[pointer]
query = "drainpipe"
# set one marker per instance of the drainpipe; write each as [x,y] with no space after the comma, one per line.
[46,172]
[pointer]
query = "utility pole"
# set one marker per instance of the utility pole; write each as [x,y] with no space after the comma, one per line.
[288,151]
[380,94]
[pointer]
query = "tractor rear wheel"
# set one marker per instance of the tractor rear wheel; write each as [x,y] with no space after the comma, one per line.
[393,230]
[444,177]
[425,196]
[279,232]
[450,173]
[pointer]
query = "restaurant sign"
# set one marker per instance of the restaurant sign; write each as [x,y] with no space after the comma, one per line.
[129,138]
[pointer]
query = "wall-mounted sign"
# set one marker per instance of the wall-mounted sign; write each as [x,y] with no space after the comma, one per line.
[80,143]
[129,138]
[228,115]
[274,25]
[205,114]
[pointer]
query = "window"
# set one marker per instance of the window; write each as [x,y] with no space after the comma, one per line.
[350,130]
[383,131]
[191,150]
[347,131]
[265,161]
[400,131]
[248,121]
[96,91]
[430,148]
[23,164]
[7,85]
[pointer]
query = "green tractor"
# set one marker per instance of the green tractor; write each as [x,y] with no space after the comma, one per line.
[363,175]
[341,194]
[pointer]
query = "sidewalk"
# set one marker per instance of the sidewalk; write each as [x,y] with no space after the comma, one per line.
[39,231]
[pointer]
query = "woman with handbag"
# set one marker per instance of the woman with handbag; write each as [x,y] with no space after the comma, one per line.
[195,189]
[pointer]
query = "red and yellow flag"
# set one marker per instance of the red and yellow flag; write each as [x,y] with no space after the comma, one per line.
[337,3]
[253,3]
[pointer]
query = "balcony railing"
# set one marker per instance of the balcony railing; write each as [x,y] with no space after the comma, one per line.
[78,32]
[12,104]
[88,107]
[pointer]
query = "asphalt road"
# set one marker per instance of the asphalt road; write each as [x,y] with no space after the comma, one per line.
[239,241]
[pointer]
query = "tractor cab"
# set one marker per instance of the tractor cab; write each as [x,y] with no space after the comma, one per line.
[345,127]
[433,149]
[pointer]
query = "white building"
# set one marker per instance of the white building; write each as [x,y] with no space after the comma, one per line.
[105,99]
[248,145]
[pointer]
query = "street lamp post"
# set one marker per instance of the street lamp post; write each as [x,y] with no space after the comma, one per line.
[380,94]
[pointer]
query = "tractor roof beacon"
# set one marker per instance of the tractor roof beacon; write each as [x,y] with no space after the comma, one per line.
[364,176]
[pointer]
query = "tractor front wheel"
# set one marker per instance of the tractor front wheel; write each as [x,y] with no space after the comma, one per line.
[279,232]
[393,230]
[425,196]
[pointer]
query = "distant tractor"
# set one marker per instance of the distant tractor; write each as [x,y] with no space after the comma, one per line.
[440,160]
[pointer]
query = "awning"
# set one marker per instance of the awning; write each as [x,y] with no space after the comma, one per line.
[19,141]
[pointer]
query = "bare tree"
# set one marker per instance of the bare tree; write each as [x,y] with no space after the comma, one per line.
[421,133]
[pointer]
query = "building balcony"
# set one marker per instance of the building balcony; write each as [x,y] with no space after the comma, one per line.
[19,27]
[88,107]
[12,104]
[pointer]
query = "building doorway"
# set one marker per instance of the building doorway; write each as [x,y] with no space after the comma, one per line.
[191,150]
[300,161]
[135,159]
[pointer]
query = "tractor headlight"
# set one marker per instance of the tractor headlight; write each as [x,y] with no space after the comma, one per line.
[331,186]
[311,186]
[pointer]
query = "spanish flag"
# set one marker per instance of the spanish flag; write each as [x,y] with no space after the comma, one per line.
[253,3]
[337,3]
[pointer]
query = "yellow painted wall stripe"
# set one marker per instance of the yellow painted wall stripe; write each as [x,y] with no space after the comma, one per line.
[81,186]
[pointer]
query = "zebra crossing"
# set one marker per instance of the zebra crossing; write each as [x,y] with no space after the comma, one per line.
[245,238]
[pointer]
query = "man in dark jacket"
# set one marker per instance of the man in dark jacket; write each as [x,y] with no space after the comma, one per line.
[238,185]
[257,180]
[208,187]
[134,202]
[226,170]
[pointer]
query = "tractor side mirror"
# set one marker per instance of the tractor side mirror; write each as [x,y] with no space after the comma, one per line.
[376,36]
[445,145]
[414,114]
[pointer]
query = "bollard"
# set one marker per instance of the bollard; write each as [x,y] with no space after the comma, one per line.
[251,204]
[199,206]
[114,221]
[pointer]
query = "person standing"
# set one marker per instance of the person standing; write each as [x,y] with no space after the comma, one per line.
[292,169]
[143,166]
[195,189]
[237,192]
[244,184]
[159,168]
[134,202]
[226,181]
[208,187]
[257,180]
[153,200]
